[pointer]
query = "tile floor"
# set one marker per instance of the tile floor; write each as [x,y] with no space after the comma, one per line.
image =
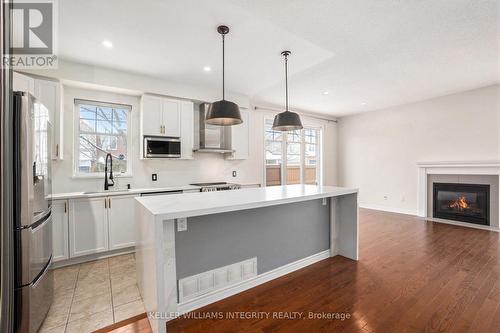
[93,295]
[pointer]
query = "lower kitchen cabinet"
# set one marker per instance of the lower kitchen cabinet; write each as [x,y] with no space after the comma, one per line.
[88,226]
[92,225]
[60,237]
[122,222]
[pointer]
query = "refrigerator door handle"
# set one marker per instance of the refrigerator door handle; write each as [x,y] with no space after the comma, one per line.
[41,222]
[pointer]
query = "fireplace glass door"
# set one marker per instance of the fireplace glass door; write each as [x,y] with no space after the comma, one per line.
[461,202]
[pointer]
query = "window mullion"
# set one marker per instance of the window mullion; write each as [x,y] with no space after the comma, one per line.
[302,158]
[284,171]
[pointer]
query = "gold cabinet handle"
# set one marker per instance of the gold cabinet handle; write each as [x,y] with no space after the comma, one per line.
[57,150]
[109,203]
[106,203]
[65,207]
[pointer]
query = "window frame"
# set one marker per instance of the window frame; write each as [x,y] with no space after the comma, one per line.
[319,144]
[76,137]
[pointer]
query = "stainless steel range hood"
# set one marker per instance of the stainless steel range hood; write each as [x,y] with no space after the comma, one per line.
[210,138]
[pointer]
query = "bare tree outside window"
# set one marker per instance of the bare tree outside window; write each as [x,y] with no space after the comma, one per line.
[102,129]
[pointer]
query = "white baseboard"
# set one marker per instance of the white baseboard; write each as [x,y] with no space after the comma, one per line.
[389,209]
[92,257]
[432,219]
[215,296]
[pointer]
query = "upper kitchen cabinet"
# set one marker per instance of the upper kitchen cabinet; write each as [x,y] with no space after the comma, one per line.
[240,137]
[160,116]
[48,92]
[152,115]
[168,117]
[171,117]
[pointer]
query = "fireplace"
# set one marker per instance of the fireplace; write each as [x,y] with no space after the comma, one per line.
[462,202]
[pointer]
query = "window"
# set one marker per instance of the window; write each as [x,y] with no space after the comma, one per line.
[292,156]
[102,128]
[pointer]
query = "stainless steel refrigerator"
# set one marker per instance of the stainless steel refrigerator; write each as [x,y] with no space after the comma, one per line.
[32,190]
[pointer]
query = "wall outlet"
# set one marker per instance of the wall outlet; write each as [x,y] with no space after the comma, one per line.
[154,177]
[182,224]
[234,173]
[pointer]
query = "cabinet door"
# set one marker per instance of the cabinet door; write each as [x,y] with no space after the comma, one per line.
[151,116]
[122,222]
[48,92]
[171,117]
[88,226]
[187,130]
[22,82]
[240,136]
[60,246]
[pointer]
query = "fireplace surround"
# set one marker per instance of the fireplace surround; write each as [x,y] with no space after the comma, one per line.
[462,202]
[475,172]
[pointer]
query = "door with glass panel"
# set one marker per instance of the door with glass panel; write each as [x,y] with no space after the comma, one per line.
[273,155]
[292,157]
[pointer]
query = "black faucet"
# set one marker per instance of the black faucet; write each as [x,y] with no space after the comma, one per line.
[108,181]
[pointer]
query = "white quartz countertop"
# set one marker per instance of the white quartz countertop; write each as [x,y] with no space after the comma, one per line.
[96,194]
[136,191]
[204,203]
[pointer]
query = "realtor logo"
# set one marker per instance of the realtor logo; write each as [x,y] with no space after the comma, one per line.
[33,35]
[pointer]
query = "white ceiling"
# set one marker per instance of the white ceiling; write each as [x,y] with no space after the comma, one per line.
[367,54]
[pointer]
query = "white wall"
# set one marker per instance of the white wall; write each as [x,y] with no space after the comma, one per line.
[378,150]
[108,85]
[205,167]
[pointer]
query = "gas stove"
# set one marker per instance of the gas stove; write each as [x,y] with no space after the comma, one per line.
[217,186]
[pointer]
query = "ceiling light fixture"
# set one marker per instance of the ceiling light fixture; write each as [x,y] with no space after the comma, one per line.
[325,92]
[223,113]
[287,121]
[107,43]
[207,68]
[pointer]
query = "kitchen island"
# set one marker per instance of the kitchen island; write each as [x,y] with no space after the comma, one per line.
[197,248]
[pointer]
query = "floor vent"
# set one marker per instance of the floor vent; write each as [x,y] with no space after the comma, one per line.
[193,286]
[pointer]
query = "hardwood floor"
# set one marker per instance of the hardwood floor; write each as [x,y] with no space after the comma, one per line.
[413,276]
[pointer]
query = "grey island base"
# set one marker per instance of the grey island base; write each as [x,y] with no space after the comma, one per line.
[197,248]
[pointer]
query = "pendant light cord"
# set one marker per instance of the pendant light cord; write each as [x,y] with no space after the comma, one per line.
[286,82]
[223,87]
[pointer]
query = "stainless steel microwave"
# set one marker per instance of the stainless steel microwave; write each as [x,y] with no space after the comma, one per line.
[162,147]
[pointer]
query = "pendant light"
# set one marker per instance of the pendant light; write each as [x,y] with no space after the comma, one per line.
[223,113]
[286,121]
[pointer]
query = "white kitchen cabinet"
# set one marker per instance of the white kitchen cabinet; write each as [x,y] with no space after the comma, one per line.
[21,82]
[160,116]
[240,138]
[171,117]
[60,221]
[122,222]
[151,116]
[88,226]
[187,129]
[48,93]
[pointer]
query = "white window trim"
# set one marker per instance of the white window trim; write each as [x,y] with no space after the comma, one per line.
[76,140]
[319,165]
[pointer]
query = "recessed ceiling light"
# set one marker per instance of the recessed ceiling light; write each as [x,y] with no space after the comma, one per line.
[363,103]
[107,43]
[325,92]
[207,68]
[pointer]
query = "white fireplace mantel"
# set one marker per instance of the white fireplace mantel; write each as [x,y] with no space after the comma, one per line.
[450,168]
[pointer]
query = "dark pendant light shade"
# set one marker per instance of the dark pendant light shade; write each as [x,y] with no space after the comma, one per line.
[288,120]
[223,113]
